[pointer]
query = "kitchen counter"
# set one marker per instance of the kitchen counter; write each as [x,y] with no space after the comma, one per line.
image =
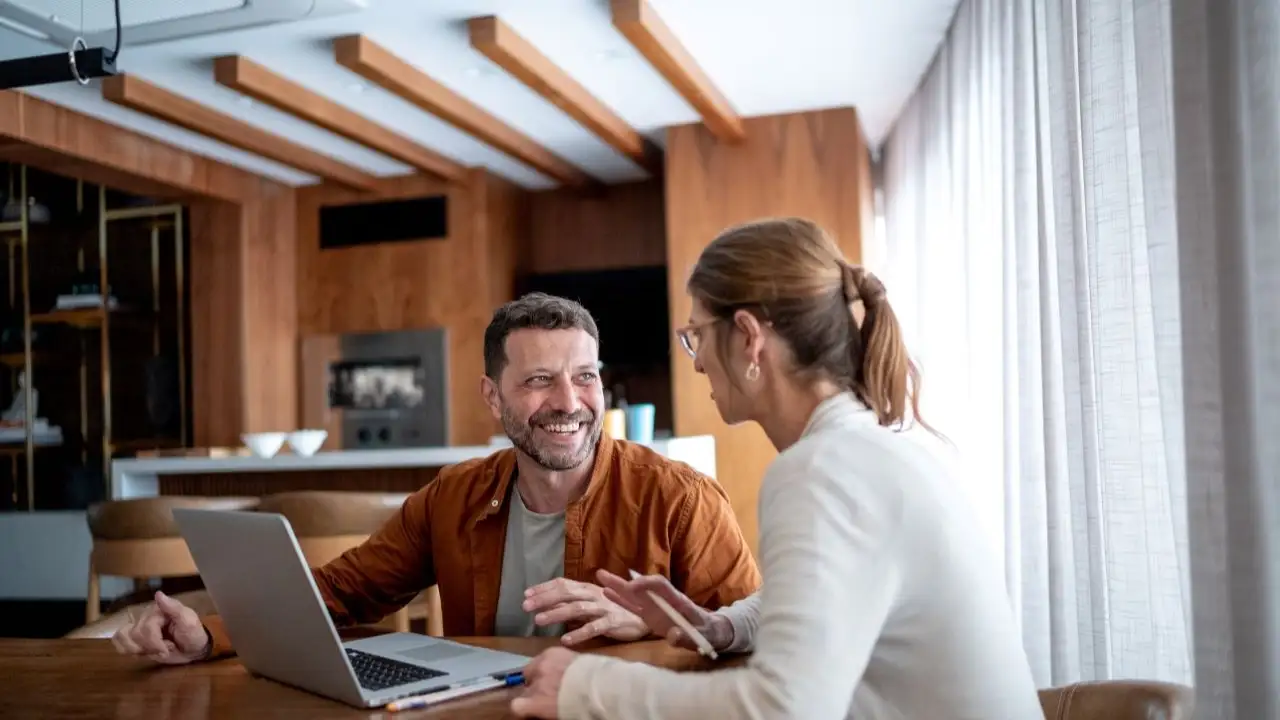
[49,557]
[139,477]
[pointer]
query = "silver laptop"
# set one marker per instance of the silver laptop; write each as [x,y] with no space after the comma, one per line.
[260,584]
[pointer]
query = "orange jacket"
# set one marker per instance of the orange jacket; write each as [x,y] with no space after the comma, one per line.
[640,511]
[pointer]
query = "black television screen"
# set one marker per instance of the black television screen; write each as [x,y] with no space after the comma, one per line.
[629,305]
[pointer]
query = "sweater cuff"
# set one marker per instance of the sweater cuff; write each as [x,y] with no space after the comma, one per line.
[220,645]
[742,631]
[574,700]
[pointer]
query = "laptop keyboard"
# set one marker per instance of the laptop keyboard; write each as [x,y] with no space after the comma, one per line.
[378,673]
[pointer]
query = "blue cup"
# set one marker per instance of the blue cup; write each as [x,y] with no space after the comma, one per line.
[640,423]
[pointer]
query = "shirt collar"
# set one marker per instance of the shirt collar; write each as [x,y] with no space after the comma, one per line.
[842,404]
[505,472]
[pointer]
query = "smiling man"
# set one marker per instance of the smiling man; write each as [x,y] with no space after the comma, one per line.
[515,540]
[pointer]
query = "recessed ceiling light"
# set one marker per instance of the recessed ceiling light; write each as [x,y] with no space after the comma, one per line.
[480,71]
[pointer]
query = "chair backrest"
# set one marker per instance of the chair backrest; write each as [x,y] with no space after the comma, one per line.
[1118,700]
[138,538]
[151,518]
[332,513]
[328,523]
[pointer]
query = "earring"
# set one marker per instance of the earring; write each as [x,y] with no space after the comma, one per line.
[753,372]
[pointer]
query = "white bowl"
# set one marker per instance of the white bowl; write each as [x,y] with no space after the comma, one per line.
[264,444]
[307,442]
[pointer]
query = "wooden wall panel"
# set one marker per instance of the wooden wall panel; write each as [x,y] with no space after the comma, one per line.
[806,164]
[454,283]
[218,350]
[244,317]
[866,209]
[380,287]
[621,226]
[500,221]
[315,354]
[271,312]
[502,216]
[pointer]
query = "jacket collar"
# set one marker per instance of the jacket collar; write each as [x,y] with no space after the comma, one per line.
[504,473]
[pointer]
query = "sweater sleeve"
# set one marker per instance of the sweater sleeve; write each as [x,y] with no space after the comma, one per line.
[831,577]
[744,616]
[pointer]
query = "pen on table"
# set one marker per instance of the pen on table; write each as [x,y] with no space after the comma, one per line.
[440,694]
[704,646]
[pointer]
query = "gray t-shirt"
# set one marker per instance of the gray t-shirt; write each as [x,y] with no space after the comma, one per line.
[534,553]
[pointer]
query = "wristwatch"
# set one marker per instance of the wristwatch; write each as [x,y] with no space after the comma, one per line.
[208,645]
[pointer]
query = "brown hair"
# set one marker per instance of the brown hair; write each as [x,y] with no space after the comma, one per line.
[791,275]
[535,311]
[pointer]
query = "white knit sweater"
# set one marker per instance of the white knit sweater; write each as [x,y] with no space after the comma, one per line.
[881,600]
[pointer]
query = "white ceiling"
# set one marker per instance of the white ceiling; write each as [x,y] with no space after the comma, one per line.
[766,56]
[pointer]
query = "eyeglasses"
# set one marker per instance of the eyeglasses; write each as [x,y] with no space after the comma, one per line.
[690,336]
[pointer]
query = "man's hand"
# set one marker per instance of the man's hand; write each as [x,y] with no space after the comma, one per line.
[167,632]
[634,596]
[567,601]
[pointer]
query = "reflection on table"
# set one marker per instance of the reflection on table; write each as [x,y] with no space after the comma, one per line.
[86,678]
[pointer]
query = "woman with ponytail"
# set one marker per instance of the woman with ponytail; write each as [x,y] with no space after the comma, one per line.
[880,600]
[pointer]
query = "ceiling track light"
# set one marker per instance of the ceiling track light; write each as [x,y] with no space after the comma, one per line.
[80,63]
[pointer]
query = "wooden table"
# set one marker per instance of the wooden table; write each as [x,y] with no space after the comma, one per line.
[88,679]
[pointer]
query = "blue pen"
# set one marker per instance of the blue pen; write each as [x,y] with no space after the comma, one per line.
[511,679]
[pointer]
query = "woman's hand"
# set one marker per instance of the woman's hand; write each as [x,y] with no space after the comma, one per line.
[542,679]
[634,596]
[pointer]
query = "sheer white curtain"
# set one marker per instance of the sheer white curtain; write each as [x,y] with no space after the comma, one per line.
[1226,90]
[1030,221]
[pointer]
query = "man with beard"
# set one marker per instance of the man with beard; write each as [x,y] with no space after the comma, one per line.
[515,540]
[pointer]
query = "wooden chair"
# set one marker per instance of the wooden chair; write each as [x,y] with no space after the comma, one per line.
[1118,700]
[107,625]
[328,523]
[138,539]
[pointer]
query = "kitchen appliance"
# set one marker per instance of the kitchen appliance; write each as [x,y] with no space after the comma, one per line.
[378,389]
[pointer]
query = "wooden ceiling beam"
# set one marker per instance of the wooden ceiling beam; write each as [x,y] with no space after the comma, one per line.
[66,166]
[498,42]
[11,148]
[138,94]
[101,150]
[380,66]
[249,78]
[637,21]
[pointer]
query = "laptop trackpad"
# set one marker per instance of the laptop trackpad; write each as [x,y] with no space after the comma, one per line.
[435,652]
